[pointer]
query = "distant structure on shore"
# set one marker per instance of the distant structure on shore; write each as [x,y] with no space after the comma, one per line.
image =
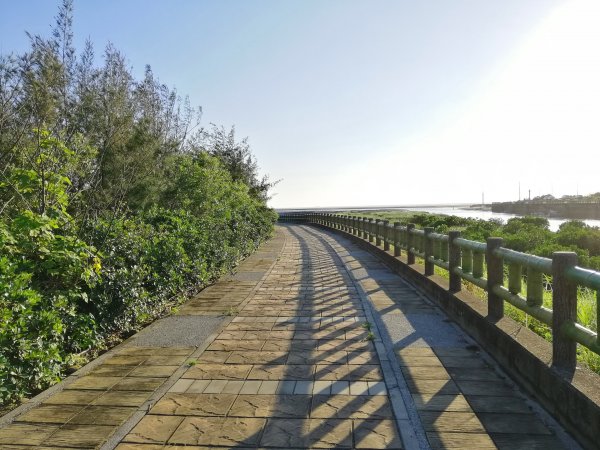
[567,207]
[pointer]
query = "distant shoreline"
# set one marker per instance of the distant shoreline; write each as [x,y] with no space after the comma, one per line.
[573,210]
[484,207]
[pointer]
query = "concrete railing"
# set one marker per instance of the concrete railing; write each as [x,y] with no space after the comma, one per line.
[484,264]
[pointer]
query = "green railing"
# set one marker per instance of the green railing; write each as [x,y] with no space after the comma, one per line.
[483,264]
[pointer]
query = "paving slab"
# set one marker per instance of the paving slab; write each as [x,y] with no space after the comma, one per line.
[179,331]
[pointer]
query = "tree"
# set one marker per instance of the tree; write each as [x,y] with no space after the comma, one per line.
[237,158]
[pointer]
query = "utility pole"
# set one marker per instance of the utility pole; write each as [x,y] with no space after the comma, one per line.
[519,191]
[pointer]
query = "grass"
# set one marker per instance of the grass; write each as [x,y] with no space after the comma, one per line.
[233,311]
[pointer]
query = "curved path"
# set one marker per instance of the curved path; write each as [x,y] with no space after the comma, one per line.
[313,343]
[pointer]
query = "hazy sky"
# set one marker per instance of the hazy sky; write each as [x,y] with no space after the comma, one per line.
[373,102]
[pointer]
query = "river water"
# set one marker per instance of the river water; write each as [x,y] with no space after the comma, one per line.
[487,215]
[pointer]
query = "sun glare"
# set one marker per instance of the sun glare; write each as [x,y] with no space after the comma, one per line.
[537,115]
[534,120]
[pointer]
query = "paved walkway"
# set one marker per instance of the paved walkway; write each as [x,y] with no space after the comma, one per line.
[312,344]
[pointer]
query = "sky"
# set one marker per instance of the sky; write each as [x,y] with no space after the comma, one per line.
[356,103]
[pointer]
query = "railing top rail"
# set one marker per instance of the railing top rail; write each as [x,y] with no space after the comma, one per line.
[585,277]
[475,246]
[524,259]
[439,237]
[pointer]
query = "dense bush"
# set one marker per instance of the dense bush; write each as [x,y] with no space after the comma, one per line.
[155,255]
[60,294]
[46,273]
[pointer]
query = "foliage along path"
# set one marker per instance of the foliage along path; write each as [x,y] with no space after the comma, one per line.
[322,347]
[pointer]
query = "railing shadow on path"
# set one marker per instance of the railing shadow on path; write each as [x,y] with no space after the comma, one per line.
[449,391]
[332,333]
[308,277]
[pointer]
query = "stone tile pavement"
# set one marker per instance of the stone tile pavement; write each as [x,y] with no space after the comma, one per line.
[320,346]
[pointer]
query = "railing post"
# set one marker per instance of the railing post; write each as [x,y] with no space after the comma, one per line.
[428,251]
[377,232]
[454,257]
[564,310]
[386,235]
[598,315]
[355,225]
[364,227]
[495,277]
[515,277]
[397,249]
[371,228]
[410,256]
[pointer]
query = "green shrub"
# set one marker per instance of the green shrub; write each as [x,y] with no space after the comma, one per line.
[60,294]
[45,274]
